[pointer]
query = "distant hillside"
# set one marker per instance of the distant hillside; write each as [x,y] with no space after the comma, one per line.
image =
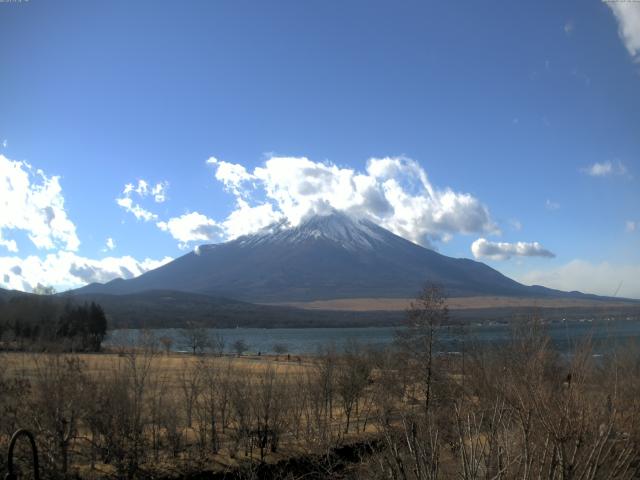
[7,294]
[174,309]
[167,309]
[170,309]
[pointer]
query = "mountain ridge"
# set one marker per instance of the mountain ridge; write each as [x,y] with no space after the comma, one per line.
[325,257]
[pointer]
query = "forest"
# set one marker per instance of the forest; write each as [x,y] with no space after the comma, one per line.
[42,322]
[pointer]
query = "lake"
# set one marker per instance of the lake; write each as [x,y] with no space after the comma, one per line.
[605,335]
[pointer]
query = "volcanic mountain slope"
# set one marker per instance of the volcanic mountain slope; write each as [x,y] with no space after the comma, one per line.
[325,257]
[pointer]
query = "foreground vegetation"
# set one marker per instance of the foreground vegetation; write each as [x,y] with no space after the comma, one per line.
[522,411]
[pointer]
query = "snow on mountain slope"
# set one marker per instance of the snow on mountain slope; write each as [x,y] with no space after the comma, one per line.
[350,234]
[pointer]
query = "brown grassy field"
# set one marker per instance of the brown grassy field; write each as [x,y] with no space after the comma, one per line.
[455,303]
[256,392]
[97,364]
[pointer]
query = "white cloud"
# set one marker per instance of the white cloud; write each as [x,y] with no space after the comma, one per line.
[516,224]
[196,227]
[246,219]
[5,143]
[393,192]
[65,270]
[600,279]
[192,227]
[10,245]
[110,244]
[142,190]
[159,192]
[483,248]
[139,212]
[551,205]
[628,16]
[631,226]
[569,27]
[32,202]
[605,169]
[232,175]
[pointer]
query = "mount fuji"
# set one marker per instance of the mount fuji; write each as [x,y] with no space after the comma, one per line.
[331,256]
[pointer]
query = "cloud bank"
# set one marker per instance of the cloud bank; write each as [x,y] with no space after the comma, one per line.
[67,270]
[483,248]
[628,16]
[394,192]
[598,278]
[32,202]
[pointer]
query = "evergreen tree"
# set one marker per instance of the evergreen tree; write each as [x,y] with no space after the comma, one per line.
[97,326]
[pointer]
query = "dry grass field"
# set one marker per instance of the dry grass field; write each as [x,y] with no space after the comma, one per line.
[190,412]
[172,365]
[454,303]
[492,414]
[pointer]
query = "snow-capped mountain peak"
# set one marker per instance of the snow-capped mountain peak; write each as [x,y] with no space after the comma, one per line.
[336,227]
[324,257]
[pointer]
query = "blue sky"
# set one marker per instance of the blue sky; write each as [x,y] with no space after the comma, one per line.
[504,121]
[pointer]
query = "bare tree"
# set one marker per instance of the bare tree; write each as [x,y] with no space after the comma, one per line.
[157,406]
[58,390]
[353,374]
[425,314]
[196,338]
[240,346]
[190,379]
[268,410]
[167,343]
[240,402]
[210,406]
[217,344]
[120,410]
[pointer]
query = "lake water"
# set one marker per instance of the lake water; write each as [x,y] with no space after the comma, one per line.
[605,335]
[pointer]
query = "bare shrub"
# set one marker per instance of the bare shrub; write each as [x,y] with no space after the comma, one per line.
[58,401]
[351,380]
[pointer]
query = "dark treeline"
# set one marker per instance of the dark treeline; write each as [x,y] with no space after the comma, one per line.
[44,322]
[171,309]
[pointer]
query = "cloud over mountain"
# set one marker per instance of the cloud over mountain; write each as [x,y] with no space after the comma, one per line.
[196,227]
[191,227]
[394,192]
[68,270]
[32,202]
